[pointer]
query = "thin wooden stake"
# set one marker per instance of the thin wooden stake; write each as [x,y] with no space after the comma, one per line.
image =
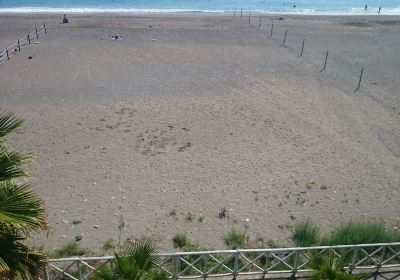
[249,17]
[45,29]
[8,56]
[302,48]
[29,39]
[241,13]
[326,60]
[37,35]
[272,29]
[359,81]
[19,46]
[284,39]
[259,24]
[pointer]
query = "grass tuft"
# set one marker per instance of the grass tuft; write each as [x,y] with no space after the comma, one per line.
[180,240]
[235,239]
[306,234]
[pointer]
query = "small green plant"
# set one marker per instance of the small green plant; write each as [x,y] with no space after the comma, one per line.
[108,245]
[235,239]
[306,233]
[172,212]
[180,240]
[189,217]
[76,222]
[71,249]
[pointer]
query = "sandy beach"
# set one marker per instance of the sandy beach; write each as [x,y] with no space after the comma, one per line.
[200,112]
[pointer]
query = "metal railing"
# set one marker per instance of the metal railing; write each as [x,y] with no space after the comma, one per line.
[374,259]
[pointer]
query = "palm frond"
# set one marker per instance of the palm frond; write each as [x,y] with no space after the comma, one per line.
[10,164]
[17,261]
[20,208]
[8,123]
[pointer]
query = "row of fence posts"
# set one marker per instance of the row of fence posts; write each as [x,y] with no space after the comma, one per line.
[28,38]
[302,46]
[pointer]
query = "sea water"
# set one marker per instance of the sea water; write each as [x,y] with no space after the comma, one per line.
[329,7]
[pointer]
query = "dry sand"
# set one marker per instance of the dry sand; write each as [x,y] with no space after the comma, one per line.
[198,113]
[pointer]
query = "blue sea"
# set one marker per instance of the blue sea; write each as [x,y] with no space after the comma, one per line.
[318,7]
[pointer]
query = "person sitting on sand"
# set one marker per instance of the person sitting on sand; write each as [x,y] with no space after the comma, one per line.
[65,20]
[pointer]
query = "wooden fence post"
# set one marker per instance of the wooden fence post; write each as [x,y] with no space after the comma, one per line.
[359,81]
[326,60]
[8,56]
[259,24]
[37,35]
[29,39]
[19,46]
[45,29]
[284,39]
[241,13]
[249,16]
[302,48]
[272,29]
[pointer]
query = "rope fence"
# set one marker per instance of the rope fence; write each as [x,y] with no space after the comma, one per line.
[360,78]
[21,43]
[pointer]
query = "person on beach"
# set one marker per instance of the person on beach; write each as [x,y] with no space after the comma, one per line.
[65,20]
[366,7]
[379,10]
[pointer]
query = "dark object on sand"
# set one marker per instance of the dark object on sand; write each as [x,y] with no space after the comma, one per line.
[78,238]
[30,57]
[65,20]
[222,214]
[280,18]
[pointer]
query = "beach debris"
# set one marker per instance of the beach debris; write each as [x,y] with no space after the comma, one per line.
[65,222]
[247,220]
[154,39]
[96,226]
[62,236]
[36,42]
[280,18]
[65,19]
[30,57]
[78,238]
[115,37]
[85,200]
[222,214]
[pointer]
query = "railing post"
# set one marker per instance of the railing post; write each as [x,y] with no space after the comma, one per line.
[296,256]
[45,29]
[353,261]
[29,39]
[272,29]
[176,262]
[46,273]
[379,265]
[8,56]
[259,24]
[37,35]
[236,265]
[78,265]
[19,46]
[359,81]
[302,48]
[284,39]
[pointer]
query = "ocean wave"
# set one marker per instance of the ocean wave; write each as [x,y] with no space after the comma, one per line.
[92,10]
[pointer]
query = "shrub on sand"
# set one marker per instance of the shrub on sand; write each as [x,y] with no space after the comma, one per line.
[361,232]
[235,239]
[70,249]
[180,240]
[306,233]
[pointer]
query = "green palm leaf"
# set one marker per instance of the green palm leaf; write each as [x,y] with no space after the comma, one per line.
[10,164]
[8,123]
[20,208]
[17,261]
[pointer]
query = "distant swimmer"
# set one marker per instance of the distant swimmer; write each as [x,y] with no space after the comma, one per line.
[379,10]
[366,7]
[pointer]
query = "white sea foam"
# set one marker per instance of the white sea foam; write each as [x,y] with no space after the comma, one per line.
[90,10]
